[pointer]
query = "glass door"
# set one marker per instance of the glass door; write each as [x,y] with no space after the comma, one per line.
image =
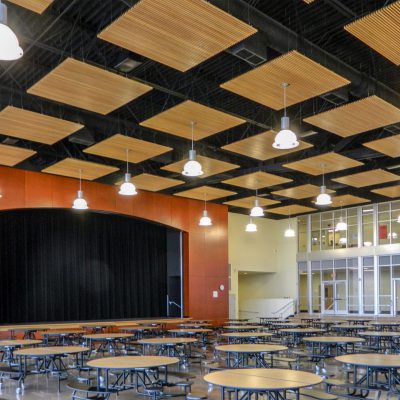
[328,296]
[334,298]
[396,297]
[340,297]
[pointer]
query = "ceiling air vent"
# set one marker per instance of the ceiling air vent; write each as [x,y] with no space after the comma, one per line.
[337,97]
[253,51]
[393,128]
[10,141]
[83,137]
[127,65]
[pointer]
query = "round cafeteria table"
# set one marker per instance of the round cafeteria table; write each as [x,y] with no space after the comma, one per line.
[62,337]
[29,331]
[382,340]
[246,337]
[193,325]
[274,382]
[200,333]
[139,331]
[331,346]
[10,345]
[358,321]
[108,341]
[127,366]
[238,355]
[322,324]
[296,334]
[276,326]
[349,329]
[390,326]
[242,327]
[97,327]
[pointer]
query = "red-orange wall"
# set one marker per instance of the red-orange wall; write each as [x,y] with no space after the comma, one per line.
[206,248]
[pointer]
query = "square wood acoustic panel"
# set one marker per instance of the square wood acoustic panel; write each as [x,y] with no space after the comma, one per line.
[347,200]
[389,146]
[367,178]
[264,84]
[177,121]
[82,85]
[390,191]
[380,30]
[257,180]
[138,150]
[292,209]
[70,167]
[260,147]
[153,183]
[248,202]
[210,166]
[300,192]
[37,6]
[29,125]
[11,155]
[211,193]
[177,33]
[356,117]
[327,163]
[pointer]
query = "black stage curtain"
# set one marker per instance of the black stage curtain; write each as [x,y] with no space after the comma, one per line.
[63,265]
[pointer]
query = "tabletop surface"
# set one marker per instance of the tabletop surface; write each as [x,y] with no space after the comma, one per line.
[379,334]
[302,330]
[246,334]
[188,330]
[372,360]
[51,351]
[349,327]
[170,341]
[242,327]
[107,336]
[263,379]
[290,324]
[138,328]
[194,325]
[392,323]
[98,325]
[334,339]
[14,343]
[251,348]
[61,333]
[131,362]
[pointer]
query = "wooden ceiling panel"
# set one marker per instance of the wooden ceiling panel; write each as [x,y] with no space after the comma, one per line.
[257,180]
[82,85]
[368,178]
[389,146]
[37,6]
[248,202]
[347,200]
[29,125]
[300,192]
[177,121]
[390,191]
[211,193]
[11,155]
[356,117]
[153,183]
[115,147]
[292,209]
[177,33]
[260,147]
[70,167]
[210,166]
[264,84]
[380,30]
[327,163]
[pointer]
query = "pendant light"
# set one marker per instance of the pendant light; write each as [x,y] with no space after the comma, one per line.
[127,188]
[285,138]
[398,219]
[256,211]
[9,45]
[323,198]
[80,203]
[192,167]
[205,220]
[251,226]
[341,225]
[289,232]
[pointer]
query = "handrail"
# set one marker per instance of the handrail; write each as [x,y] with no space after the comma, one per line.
[284,307]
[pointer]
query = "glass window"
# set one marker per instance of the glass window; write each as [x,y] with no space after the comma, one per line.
[352,271]
[384,290]
[367,226]
[316,286]
[327,270]
[302,233]
[368,290]
[303,287]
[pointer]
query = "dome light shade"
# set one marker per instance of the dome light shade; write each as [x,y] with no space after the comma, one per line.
[341,225]
[80,203]
[257,211]
[342,240]
[285,139]
[127,188]
[289,232]
[251,227]
[205,220]
[323,198]
[192,167]
[9,45]
[398,219]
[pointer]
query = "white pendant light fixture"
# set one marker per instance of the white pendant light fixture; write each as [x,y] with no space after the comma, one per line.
[9,45]
[127,188]
[289,232]
[323,198]
[256,211]
[398,219]
[251,226]
[285,138]
[341,225]
[80,203]
[192,166]
[205,220]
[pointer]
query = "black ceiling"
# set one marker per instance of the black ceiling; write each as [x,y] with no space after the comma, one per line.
[68,28]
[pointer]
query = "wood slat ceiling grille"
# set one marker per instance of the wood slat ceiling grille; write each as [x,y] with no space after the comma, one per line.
[115,147]
[380,30]
[367,178]
[260,147]
[29,125]
[177,33]
[85,86]
[37,6]
[11,155]
[211,193]
[291,210]
[389,146]
[248,202]
[347,200]
[327,163]
[153,183]
[177,121]
[70,167]
[264,84]
[211,166]
[257,180]
[391,191]
[357,117]
[300,192]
